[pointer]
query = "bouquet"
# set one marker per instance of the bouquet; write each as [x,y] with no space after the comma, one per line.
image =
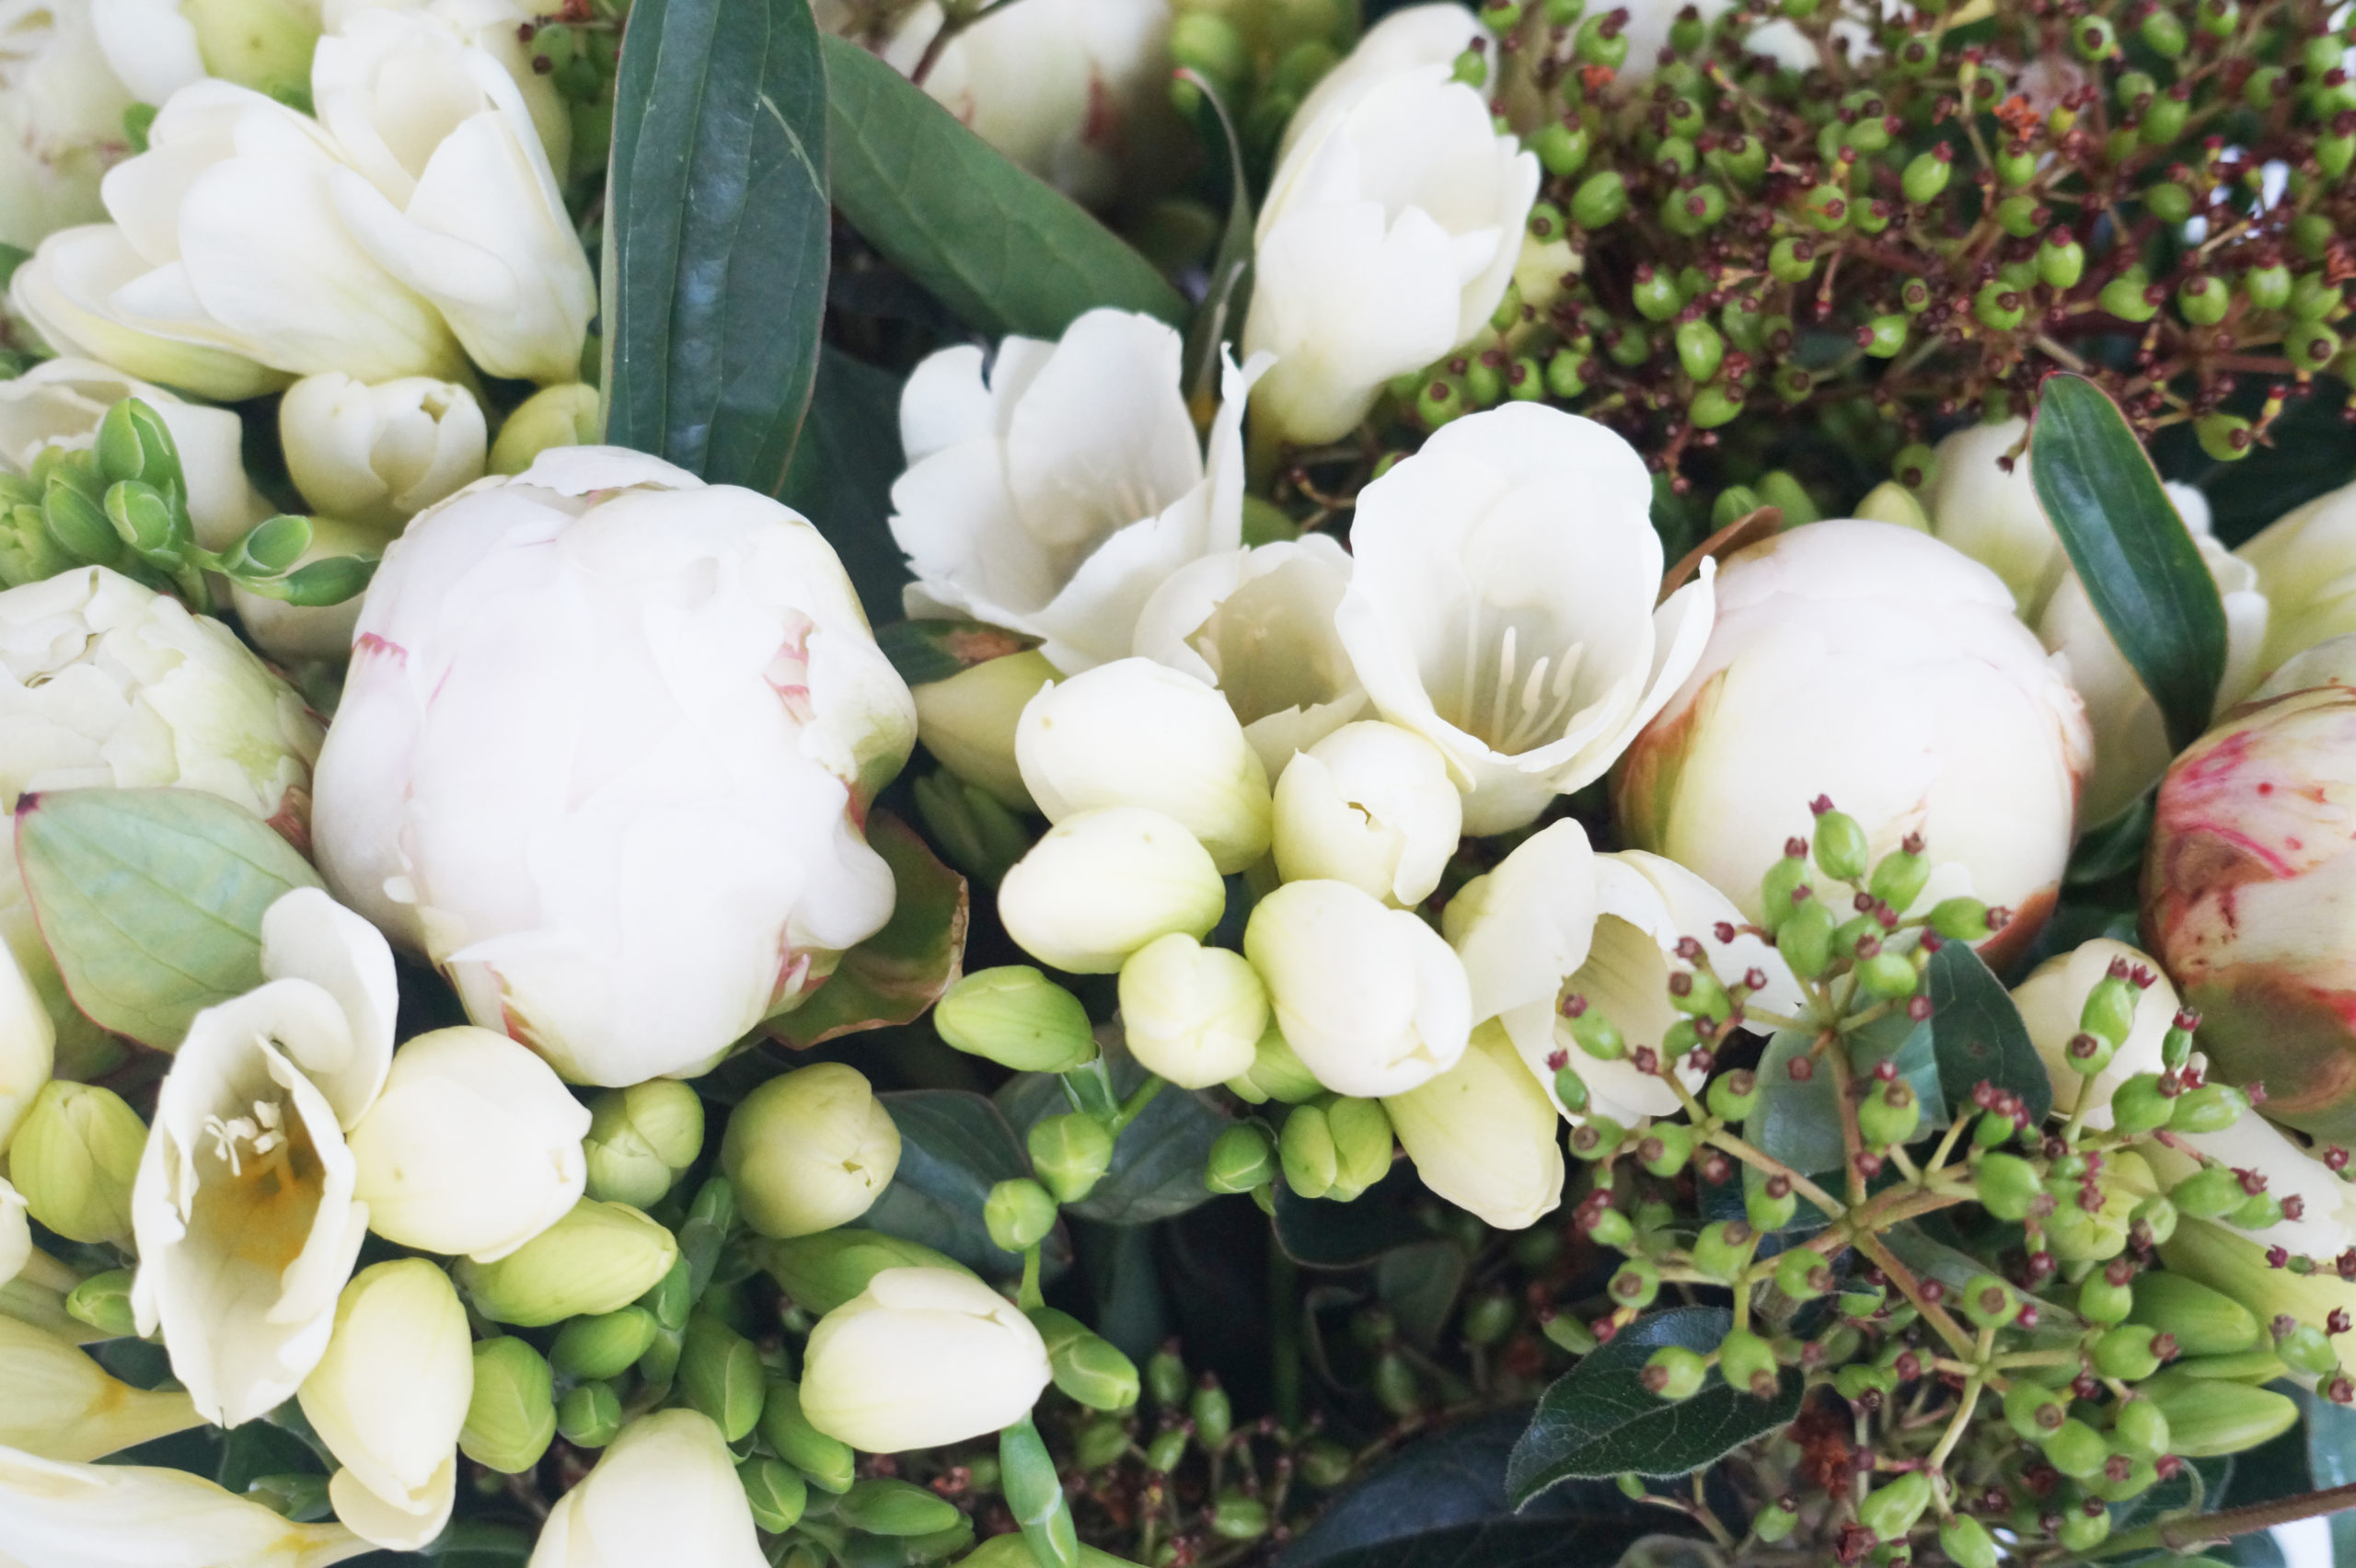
[1177,783]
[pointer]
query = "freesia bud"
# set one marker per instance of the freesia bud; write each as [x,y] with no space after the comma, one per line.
[775,1491]
[809,1150]
[1191,1013]
[377,456]
[1070,1154]
[52,1512]
[1018,1018]
[1989,510]
[1277,1073]
[599,1257]
[511,1415]
[590,1415]
[1371,806]
[1370,998]
[567,414]
[57,1403]
[102,1301]
[157,48]
[2050,1001]
[968,721]
[473,1147]
[640,1141]
[921,1358]
[1103,883]
[1242,1158]
[822,1272]
[1087,1366]
[827,1461]
[75,1158]
[664,1492]
[605,1345]
[2223,1255]
[390,1398]
[1483,1135]
[720,1372]
[1018,1214]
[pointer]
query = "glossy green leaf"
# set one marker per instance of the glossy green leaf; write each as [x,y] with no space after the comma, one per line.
[2139,563]
[152,900]
[1319,1233]
[842,471]
[1597,1421]
[716,233]
[1003,250]
[1978,1033]
[1796,1119]
[1157,1169]
[955,1147]
[895,975]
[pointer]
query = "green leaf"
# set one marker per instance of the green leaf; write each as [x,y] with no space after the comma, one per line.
[1420,1282]
[2330,1431]
[1157,1169]
[1797,1120]
[1319,1233]
[842,471]
[895,975]
[1978,1033]
[1597,1421]
[955,1147]
[152,900]
[927,650]
[1003,250]
[716,235]
[2135,555]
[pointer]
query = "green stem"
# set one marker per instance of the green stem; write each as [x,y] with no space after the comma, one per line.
[1284,1334]
[1027,1295]
[2182,1535]
[1136,1104]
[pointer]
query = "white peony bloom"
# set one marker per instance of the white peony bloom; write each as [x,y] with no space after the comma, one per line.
[921,1358]
[1369,998]
[1503,605]
[61,119]
[388,1399]
[603,754]
[1410,39]
[1371,806]
[666,1490]
[66,294]
[1258,623]
[377,456]
[1389,235]
[1056,496]
[1482,1135]
[244,1210]
[1977,742]
[2305,561]
[2051,1000]
[59,1403]
[473,1149]
[73,1516]
[58,402]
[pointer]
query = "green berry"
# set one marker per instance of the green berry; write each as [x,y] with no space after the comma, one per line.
[1674,1373]
[1563,147]
[1602,200]
[2000,309]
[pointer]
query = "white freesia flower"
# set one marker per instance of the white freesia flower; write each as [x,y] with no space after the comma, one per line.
[28,1054]
[1258,623]
[1369,998]
[377,456]
[603,754]
[666,1490]
[1371,806]
[1503,605]
[66,294]
[453,193]
[501,28]
[61,119]
[921,1357]
[2051,1000]
[244,1210]
[57,1403]
[1054,497]
[1976,742]
[388,1399]
[75,1516]
[1982,502]
[1482,1135]
[1408,39]
[161,46]
[473,1149]
[1101,884]
[58,402]
[2305,561]
[1389,235]
[968,721]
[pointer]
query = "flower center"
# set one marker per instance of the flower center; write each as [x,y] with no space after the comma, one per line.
[1512,706]
[240,1138]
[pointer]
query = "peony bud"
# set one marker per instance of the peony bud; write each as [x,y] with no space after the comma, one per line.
[599,1257]
[1103,883]
[1371,1000]
[389,1399]
[809,1150]
[641,1140]
[921,1358]
[1018,1018]
[511,1415]
[57,1403]
[1483,1135]
[665,1492]
[377,456]
[969,721]
[567,414]
[1371,806]
[822,1272]
[1191,1013]
[75,1158]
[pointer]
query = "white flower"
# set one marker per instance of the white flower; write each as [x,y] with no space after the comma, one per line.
[294,632]
[28,1054]
[388,1399]
[1990,512]
[968,721]
[244,1213]
[58,402]
[377,456]
[2306,567]
[473,1147]
[159,47]
[603,754]
[60,119]
[16,1233]
[809,1150]
[1976,743]
[1389,235]
[59,1403]
[1192,1014]
[1502,606]
[1482,1135]
[666,1490]
[71,1515]
[1054,497]
[921,1358]
[1408,39]
[66,291]
[453,192]
[1371,806]
[1136,733]
[2051,1000]
[1100,884]
[1369,998]
[1258,623]
[498,28]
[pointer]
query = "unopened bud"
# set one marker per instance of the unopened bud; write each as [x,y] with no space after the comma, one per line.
[641,1140]
[598,1258]
[1018,1018]
[74,1159]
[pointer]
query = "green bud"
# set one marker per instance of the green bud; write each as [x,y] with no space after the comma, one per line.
[827,1462]
[1277,1073]
[2008,1185]
[2033,1411]
[1362,1145]
[1674,1373]
[1723,1250]
[2313,346]
[1889,1114]
[1884,337]
[605,1345]
[511,1417]
[2225,437]
[1306,1149]
[1210,45]
[2313,299]
[1489,1317]
[77,519]
[1748,1362]
[1035,1493]
[1568,373]
[2259,1212]
[1524,380]
[2202,300]
[1595,1034]
[2139,1431]
[1792,260]
[1101,1442]
[1597,1137]
[822,1272]
[1900,878]
[1070,1153]
[1967,1541]
[1442,399]
[74,1159]
[1562,145]
[2128,296]
[1088,1367]
[2211,1108]
[1570,1088]
[1960,919]
[1889,975]
[1018,1214]
[1802,1275]
[1656,295]
[1777,1520]
[775,1491]
[1599,42]
[1213,1415]
[1990,1302]
[1733,1096]
[598,1258]
[1768,1212]
[2202,1321]
[1805,939]
[1018,1018]
[721,1374]
[2138,1106]
[2208,1418]
[103,1302]
[2304,1348]
[880,1505]
[974,830]
[1999,308]
[2061,262]
[1168,1447]
[2268,287]
[566,414]
[143,519]
[2101,1301]
[2076,1449]
[1602,200]
[2156,1216]
[2127,1352]
[2082,1531]
[1890,1511]
[1994,1130]
[1701,349]
[1242,1158]
[2110,1009]
[641,1140]
[1166,1378]
[2163,33]
[1636,1283]
[590,1417]
[1786,877]
[1926,178]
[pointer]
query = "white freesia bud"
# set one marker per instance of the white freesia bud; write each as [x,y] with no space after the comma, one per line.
[809,1150]
[666,1490]
[388,1399]
[473,1149]
[16,1233]
[158,46]
[244,1210]
[103,1514]
[921,1358]
[2051,1000]
[57,1403]
[1101,884]
[1502,605]
[628,897]
[2306,567]
[1370,263]
[1371,806]
[497,28]
[65,293]
[75,1158]
[1978,743]
[968,721]
[1258,623]
[59,402]
[1136,733]
[1369,998]
[1055,498]
[377,456]
[569,414]
[1483,1135]
[28,1049]
[1411,38]
[1191,1013]
[61,122]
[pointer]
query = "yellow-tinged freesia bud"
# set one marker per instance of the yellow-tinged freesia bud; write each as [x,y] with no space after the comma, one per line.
[1890,501]
[921,1358]
[377,456]
[666,1490]
[75,1158]
[57,1403]
[642,1139]
[599,1257]
[52,1512]
[809,1150]
[1483,1135]
[1103,883]
[510,1414]
[1194,1014]
[968,721]
[1371,1000]
[567,414]
[1372,805]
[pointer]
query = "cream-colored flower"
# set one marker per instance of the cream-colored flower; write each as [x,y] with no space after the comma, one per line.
[1483,1135]
[59,1403]
[921,1358]
[377,456]
[75,1516]
[388,1399]
[666,1490]
[1369,998]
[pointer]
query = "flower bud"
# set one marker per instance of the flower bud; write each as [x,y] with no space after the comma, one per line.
[968,721]
[590,1417]
[74,1159]
[665,1492]
[1018,1018]
[720,1373]
[1069,1154]
[1372,805]
[775,1491]
[1103,883]
[606,1344]
[1018,1214]
[1482,1135]
[2054,1002]
[2212,1417]
[599,1257]
[57,1403]
[1371,1000]
[1360,1134]
[377,456]
[827,1461]
[1244,1159]
[1088,1367]
[809,1150]
[641,1140]
[511,1415]
[1191,1013]
[102,1301]
[921,1358]
[567,414]
[822,1272]
[1277,1073]
[1306,1146]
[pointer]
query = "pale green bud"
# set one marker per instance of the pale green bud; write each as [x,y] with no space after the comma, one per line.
[103,1302]
[606,1345]
[827,1461]
[884,1506]
[1277,1073]
[1194,1014]
[1310,1162]
[1018,1214]
[776,1492]
[1018,1018]
[564,415]
[74,1159]
[510,1419]
[720,1372]
[1087,1366]
[1362,1145]
[599,1257]
[810,1150]
[1242,1158]
[640,1141]
[1890,501]
[973,831]
[1103,883]
[822,1272]
[1069,1154]
[968,721]
[590,1417]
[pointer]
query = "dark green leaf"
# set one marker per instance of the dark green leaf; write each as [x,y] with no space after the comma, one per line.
[1003,250]
[2113,850]
[895,975]
[927,650]
[1157,1169]
[1597,1421]
[152,900]
[1979,1035]
[842,471]
[1319,1233]
[1420,1282]
[2135,555]
[955,1147]
[1797,1121]
[2330,1431]
[716,232]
